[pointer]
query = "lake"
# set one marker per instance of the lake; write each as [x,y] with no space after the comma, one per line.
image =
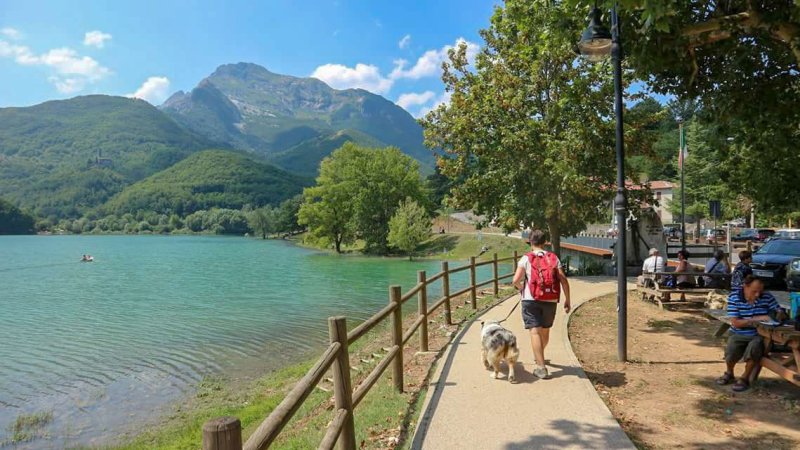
[104,345]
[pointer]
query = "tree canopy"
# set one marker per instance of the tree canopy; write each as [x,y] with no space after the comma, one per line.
[358,191]
[409,227]
[13,220]
[739,59]
[530,128]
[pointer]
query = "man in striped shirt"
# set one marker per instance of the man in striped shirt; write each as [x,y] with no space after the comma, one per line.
[747,306]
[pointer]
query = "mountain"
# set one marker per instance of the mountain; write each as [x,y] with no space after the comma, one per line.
[251,108]
[303,158]
[208,179]
[62,158]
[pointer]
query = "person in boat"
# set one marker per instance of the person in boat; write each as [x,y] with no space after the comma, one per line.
[87,258]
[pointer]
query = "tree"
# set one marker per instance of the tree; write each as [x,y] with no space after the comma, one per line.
[409,226]
[740,59]
[15,221]
[262,221]
[357,192]
[530,129]
[704,176]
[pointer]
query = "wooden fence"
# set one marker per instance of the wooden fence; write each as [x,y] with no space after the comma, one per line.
[225,433]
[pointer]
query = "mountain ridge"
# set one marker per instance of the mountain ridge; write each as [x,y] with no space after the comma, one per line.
[250,108]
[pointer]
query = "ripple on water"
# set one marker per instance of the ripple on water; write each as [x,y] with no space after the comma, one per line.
[103,345]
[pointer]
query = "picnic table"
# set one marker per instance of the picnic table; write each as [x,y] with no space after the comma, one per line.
[652,287]
[785,364]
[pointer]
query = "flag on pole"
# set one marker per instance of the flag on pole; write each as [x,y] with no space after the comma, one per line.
[682,150]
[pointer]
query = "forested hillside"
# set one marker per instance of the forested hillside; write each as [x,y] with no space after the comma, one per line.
[62,158]
[205,180]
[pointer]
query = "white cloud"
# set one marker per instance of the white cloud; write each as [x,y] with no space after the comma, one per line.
[414,99]
[96,38]
[11,33]
[368,76]
[443,99]
[405,41]
[68,85]
[364,76]
[154,90]
[430,63]
[71,71]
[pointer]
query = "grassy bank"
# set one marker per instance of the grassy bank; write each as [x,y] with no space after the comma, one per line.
[450,246]
[384,419]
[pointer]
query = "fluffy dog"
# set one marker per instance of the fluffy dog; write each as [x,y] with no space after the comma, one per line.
[498,343]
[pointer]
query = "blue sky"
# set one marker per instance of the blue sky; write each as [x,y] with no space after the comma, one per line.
[56,49]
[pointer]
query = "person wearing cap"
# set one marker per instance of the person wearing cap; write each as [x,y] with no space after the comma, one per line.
[654,263]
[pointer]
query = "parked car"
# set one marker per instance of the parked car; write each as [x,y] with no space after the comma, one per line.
[765,233]
[788,233]
[746,234]
[793,275]
[771,260]
[716,235]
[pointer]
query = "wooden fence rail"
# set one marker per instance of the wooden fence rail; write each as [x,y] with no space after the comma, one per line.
[225,433]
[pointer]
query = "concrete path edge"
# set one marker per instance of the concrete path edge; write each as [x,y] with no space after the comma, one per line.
[435,390]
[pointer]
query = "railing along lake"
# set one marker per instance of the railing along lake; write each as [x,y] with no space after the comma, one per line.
[225,433]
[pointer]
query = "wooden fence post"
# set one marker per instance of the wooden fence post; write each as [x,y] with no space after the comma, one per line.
[514,263]
[446,292]
[473,295]
[342,386]
[222,433]
[422,311]
[397,337]
[496,285]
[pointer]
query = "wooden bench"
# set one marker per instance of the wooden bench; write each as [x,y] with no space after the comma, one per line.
[652,286]
[785,363]
[722,316]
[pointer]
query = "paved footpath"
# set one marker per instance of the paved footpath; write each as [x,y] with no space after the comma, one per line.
[466,409]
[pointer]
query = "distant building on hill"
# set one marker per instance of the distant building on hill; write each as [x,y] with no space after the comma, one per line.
[99,161]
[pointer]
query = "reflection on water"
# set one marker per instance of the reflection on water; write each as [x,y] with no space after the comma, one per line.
[104,345]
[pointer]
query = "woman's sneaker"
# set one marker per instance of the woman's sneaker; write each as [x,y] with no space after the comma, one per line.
[541,372]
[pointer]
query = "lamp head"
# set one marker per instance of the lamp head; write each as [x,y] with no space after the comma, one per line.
[595,43]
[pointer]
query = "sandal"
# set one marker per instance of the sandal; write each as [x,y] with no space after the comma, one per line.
[726,378]
[741,386]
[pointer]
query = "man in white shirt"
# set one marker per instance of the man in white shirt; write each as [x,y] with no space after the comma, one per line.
[654,263]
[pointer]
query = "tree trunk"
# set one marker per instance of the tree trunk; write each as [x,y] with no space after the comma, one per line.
[338,243]
[555,236]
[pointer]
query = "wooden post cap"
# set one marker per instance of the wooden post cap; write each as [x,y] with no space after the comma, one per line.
[226,423]
[222,433]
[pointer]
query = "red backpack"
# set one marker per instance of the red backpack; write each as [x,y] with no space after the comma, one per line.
[543,283]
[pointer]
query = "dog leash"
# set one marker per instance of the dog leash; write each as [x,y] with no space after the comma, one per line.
[509,313]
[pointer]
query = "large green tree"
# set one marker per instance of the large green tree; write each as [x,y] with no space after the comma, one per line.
[357,192]
[740,59]
[530,127]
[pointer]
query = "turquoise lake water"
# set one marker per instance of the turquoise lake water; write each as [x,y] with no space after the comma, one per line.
[107,346]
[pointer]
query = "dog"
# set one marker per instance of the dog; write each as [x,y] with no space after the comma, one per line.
[498,343]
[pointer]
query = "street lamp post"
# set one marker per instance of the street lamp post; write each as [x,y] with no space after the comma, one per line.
[597,43]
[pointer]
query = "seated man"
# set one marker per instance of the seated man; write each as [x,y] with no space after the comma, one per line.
[654,263]
[747,307]
[718,264]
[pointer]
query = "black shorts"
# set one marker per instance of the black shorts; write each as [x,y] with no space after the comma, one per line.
[744,348]
[537,314]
